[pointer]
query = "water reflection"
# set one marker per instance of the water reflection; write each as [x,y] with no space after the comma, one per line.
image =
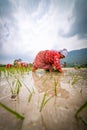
[49,83]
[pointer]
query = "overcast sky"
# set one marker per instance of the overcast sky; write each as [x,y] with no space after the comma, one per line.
[28,26]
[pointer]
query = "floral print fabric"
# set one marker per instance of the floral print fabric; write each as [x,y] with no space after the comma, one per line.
[47,59]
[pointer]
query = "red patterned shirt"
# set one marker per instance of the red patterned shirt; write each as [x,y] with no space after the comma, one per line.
[53,57]
[47,59]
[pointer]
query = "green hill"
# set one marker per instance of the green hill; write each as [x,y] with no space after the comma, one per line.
[76,57]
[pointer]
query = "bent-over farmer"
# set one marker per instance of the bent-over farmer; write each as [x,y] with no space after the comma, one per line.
[49,59]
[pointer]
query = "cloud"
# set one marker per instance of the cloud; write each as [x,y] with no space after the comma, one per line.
[34,25]
[6,9]
[78,20]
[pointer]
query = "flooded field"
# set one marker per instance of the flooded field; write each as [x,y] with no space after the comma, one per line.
[43,100]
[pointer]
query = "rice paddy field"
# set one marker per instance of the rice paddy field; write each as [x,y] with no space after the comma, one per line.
[42,100]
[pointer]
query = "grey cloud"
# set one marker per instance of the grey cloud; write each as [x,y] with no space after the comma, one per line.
[29,5]
[6,8]
[63,5]
[7,19]
[9,6]
[4,30]
[79,26]
[32,6]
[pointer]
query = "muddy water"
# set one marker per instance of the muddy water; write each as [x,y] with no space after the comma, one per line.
[48,101]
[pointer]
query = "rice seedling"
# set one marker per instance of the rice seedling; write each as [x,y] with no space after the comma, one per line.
[47,100]
[11,88]
[29,97]
[55,87]
[26,87]
[83,106]
[22,70]
[30,93]
[44,81]
[12,77]
[80,109]
[7,79]
[75,79]
[44,101]
[15,88]
[12,111]
[18,86]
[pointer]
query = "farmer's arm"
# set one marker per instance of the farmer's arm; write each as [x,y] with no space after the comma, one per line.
[57,63]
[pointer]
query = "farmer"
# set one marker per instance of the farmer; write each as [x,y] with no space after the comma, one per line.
[49,60]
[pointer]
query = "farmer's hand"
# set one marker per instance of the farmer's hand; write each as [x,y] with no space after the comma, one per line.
[33,69]
[61,71]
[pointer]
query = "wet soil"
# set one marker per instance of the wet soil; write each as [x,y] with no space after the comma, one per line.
[48,101]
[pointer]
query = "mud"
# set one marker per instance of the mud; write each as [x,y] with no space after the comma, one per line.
[48,101]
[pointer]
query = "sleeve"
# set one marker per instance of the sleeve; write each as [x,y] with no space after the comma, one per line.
[57,62]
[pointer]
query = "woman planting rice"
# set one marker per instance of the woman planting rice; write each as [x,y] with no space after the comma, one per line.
[49,59]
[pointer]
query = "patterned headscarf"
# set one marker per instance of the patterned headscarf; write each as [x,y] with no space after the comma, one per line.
[64,52]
